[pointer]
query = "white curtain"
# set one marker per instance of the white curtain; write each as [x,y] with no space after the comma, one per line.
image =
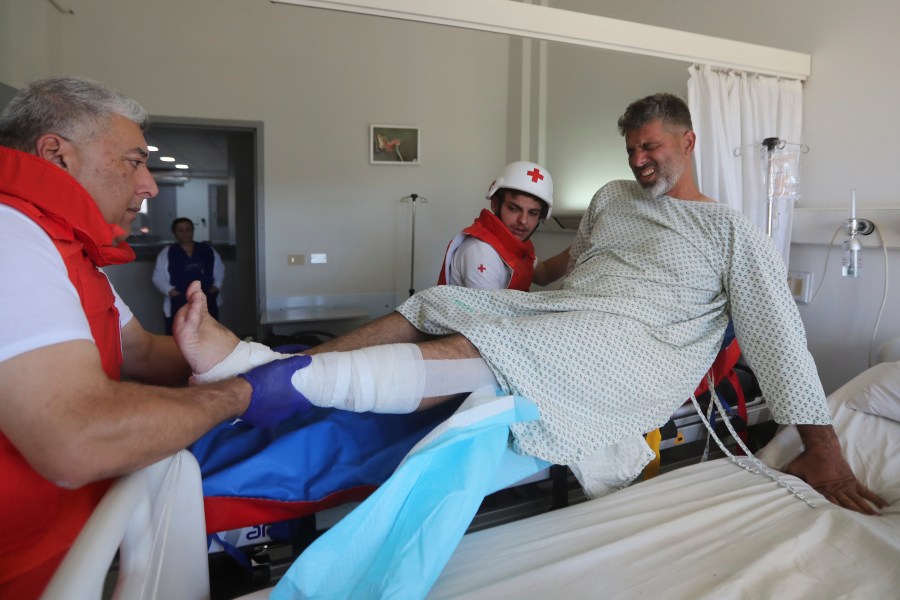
[733,113]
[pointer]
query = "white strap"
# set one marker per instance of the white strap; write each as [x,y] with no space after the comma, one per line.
[763,469]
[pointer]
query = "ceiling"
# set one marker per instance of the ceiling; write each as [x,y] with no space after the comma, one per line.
[204,151]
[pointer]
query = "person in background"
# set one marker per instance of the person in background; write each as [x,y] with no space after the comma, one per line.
[183,262]
[496,251]
[73,175]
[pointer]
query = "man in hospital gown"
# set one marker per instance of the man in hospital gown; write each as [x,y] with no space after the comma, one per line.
[656,271]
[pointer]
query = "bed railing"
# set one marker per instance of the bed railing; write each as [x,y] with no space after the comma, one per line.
[154,518]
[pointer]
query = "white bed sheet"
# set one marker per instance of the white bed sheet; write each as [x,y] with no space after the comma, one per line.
[711,530]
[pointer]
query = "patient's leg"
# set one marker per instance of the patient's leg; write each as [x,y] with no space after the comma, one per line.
[389,329]
[394,378]
[387,366]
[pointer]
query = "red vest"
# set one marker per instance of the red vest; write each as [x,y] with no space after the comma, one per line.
[518,255]
[38,519]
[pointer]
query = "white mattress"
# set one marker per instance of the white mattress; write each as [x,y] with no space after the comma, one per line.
[710,530]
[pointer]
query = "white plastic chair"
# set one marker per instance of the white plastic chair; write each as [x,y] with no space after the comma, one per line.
[154,517]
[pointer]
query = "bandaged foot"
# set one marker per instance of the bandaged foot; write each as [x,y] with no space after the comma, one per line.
[245,356]
[274,398]
[392,378]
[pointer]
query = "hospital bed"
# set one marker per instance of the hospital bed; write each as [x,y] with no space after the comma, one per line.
[712,530]
[708,530]
[153,520]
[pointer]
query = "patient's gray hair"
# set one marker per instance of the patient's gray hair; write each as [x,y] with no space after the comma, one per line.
[668,107]
[72,107]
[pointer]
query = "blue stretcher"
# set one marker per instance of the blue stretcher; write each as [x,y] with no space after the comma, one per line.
[305,464]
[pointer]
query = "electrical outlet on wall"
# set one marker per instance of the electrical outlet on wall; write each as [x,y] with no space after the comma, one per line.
[800,283]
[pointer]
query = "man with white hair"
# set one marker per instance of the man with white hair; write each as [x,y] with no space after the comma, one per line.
[73,175]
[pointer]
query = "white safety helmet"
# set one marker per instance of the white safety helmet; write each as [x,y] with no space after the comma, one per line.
[528,177]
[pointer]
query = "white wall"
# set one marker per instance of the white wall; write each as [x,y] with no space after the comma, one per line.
[312,76]
[587,92]
[317,79]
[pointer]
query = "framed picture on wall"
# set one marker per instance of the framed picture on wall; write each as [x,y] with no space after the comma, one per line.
[394,145]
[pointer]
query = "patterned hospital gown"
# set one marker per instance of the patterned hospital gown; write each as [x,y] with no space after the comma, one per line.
[636,324]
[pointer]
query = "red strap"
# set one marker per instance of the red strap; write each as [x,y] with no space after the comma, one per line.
[224,513]
[720,368]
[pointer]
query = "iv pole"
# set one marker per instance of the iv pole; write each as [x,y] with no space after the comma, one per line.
[412,199]
[770,144]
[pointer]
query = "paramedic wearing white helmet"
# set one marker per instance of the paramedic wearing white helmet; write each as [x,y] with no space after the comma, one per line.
[496,252]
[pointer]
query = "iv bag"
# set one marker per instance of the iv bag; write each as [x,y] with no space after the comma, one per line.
[784,171]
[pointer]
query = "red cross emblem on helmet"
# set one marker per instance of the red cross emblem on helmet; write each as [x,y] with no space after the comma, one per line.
[528,177]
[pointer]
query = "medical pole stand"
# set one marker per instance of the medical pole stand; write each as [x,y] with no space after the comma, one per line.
[412,199]
[771,144]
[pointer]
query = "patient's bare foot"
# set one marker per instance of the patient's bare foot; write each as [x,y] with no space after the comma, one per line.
[203,340]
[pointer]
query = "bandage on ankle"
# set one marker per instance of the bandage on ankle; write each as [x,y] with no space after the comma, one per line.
[244,357]
[392,378]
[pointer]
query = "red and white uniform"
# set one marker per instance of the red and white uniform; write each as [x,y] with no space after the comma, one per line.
[53,240]
[487,256]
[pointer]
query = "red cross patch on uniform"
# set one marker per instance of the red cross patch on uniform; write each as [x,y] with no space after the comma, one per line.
[482,268]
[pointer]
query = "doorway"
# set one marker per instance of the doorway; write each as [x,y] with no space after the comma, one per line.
[208,171]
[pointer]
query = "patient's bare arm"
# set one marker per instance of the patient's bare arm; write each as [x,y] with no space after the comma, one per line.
[822,466]
[552,269]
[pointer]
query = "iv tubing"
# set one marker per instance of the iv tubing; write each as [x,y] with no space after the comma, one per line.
[884,295]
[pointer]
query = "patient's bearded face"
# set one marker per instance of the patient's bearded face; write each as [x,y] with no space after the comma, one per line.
[655,156]
[667,176]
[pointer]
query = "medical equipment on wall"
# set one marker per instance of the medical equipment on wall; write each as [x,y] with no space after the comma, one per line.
[413,199]
[851,265]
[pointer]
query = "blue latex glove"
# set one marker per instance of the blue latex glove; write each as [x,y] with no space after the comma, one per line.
[274,398]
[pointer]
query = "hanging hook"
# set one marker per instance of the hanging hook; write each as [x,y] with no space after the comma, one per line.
[65,11]
[775,143]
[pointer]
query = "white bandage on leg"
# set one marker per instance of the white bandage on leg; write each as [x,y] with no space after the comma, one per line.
[244,357]
[386,379]
[447,377]
[382,379]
